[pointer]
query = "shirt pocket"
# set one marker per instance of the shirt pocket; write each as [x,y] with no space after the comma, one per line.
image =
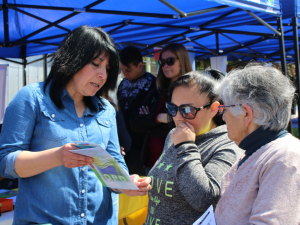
[53,126]
[104,125]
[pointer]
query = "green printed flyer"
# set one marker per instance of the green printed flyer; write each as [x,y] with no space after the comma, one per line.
[110,173]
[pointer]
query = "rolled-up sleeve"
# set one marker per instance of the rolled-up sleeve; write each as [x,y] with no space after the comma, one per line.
[18,126]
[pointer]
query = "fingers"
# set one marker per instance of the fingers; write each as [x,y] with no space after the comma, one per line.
[135,178]
[75,163]
[141,112]
[147,110]
[144,110]
[190,126]
[144,182]
[122,150]
[71,160]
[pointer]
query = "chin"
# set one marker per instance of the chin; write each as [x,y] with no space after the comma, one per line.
[170,77]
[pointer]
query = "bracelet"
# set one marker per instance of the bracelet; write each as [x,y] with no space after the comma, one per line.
[117,191]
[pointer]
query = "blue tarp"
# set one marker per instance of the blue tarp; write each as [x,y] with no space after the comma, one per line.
[290,8]
[152,32]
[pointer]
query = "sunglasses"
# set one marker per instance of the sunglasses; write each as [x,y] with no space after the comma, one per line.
[222,108]
[187,111]
[169,61]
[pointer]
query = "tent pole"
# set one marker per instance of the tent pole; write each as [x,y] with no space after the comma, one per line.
[180,12]
[217,43]
[39,18]
[283,59]
[8,60]
[237,47]
[163,25]
[201,46]
[239,43]
[263,22]
[219,18]
[24,63]
[167,40]
[296,58]
[45,66]
[125,23]
[6,24]
[45,56]
[57,22]
[183,14]
[239,32]
[88,9]
[40,39]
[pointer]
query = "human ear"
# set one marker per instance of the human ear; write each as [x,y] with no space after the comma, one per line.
[248,116]
[214,109]
[140,65]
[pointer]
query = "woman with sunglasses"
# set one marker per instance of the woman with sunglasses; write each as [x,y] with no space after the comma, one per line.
[152,118]
[186,179]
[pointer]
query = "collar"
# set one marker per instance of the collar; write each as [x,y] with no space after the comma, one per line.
[257,139]
[64,93]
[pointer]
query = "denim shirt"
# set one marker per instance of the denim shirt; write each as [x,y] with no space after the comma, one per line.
[60,195]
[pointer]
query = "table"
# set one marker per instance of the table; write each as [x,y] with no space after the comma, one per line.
[7,218]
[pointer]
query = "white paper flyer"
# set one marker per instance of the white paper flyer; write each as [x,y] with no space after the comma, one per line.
[207,218]
[107,169]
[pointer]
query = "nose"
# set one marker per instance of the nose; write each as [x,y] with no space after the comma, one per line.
[102,73]
[165,65]
[178,118]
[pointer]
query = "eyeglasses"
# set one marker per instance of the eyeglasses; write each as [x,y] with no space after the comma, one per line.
[222,107]
[170,61]
[187,111]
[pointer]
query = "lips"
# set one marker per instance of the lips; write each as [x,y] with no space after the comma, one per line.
[96,85]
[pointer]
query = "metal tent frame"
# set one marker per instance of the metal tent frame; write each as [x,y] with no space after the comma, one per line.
[211,27]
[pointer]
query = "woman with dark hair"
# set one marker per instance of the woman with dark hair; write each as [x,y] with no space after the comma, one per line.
[152,117]
[55,185]
[186,179]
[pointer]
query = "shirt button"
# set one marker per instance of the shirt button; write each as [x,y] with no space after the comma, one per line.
[106,122]
[83,191]
[81,125]
[83,169]
[82,214]
[53,115]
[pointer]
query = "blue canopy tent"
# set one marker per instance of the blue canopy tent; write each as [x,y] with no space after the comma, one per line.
[210,26]
[291,13]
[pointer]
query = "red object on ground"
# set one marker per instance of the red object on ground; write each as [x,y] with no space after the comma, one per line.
[7,205]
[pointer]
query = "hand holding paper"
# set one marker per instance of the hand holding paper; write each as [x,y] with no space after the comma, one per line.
[108,170]
[71,160]
[142,183]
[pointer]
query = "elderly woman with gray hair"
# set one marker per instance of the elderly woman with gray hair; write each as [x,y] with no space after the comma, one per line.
[264,186]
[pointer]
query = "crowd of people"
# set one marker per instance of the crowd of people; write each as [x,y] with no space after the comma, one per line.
[168,129]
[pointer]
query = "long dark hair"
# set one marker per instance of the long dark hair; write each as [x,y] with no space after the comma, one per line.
[182,54]
[80,47]
[204,82]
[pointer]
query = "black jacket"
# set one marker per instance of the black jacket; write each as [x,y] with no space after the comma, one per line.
[131,95]
[143,123]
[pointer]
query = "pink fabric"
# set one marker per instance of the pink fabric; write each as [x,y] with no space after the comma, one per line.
[266,187]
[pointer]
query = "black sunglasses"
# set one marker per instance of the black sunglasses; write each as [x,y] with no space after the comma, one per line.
[187,111]
[170,61]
